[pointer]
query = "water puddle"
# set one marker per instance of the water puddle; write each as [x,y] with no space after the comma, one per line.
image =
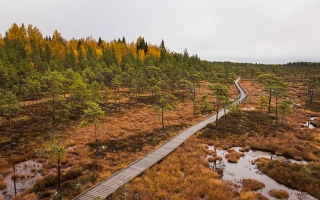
[72,148]
[249,109]
[309,124]
[21,176]
[236,172]
[313,118]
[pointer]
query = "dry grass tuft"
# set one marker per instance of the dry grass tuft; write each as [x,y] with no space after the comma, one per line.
[214,159]
[252,185]
[249,195]
[3,185]
[299,158]
[14,176]
[279,194]
[181,175]
[233,156]
[244,149]
[31,196]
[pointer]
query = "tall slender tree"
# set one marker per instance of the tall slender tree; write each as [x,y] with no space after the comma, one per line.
[10,107]
[79,94]
[55,150]
[165,102]
[52,83]
[93,114]
[220,92]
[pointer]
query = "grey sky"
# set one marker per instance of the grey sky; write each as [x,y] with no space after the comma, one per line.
[262,31]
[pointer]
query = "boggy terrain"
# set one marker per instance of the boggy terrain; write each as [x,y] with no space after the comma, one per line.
[185,174]
[123,138]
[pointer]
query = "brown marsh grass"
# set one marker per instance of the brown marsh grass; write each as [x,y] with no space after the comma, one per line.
[3,184]
[252,185]
[120,133]
[123,138]
[279,194]
[184,174]
[232,156]
[249,195]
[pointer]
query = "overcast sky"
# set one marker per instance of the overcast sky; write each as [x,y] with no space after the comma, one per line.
[257,31]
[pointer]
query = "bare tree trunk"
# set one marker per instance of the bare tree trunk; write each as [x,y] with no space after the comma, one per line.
[95,133]
[162,120]
[10,130]
[194,101]
[78,112]
[276,111]
[269,105]
[311,97]
[217,113]
[14,180]
[59,176]
[53,114]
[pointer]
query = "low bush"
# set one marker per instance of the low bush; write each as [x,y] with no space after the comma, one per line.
[252,185]
[72,174]
[3,185]
[233,156]
[279,194]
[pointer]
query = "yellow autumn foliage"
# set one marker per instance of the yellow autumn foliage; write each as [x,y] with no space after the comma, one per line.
[141,54]
[154,51]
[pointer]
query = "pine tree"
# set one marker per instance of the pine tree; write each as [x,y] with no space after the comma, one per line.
[93,114]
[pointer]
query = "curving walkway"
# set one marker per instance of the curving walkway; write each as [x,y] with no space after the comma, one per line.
[112,183]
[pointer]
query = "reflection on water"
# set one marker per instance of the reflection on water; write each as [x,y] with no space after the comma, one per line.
[309,124]
[313,118]
[21,176]
[236,172]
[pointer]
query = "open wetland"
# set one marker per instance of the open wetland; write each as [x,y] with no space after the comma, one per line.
[21,176]
[246,168]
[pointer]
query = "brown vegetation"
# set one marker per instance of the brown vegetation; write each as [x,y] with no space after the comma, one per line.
[3,184]
[252,185]
[257,130]
[252,196]
[184,174]
[123,138]
[126,137]
[300,177]
[233,156]
[279,194]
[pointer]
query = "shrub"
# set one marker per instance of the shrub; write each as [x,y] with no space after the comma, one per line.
[92,166]
[279,194]
[47,182]
[72,174]
[233,156]
[252,184]
[2,185]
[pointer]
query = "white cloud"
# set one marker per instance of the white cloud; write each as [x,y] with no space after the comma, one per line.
[253,31]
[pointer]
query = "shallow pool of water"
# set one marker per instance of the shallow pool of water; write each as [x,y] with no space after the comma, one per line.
[26,172]
[308,125]
[313,118]
[236,172]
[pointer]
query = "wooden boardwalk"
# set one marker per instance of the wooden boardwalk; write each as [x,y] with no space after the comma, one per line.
[112,183]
